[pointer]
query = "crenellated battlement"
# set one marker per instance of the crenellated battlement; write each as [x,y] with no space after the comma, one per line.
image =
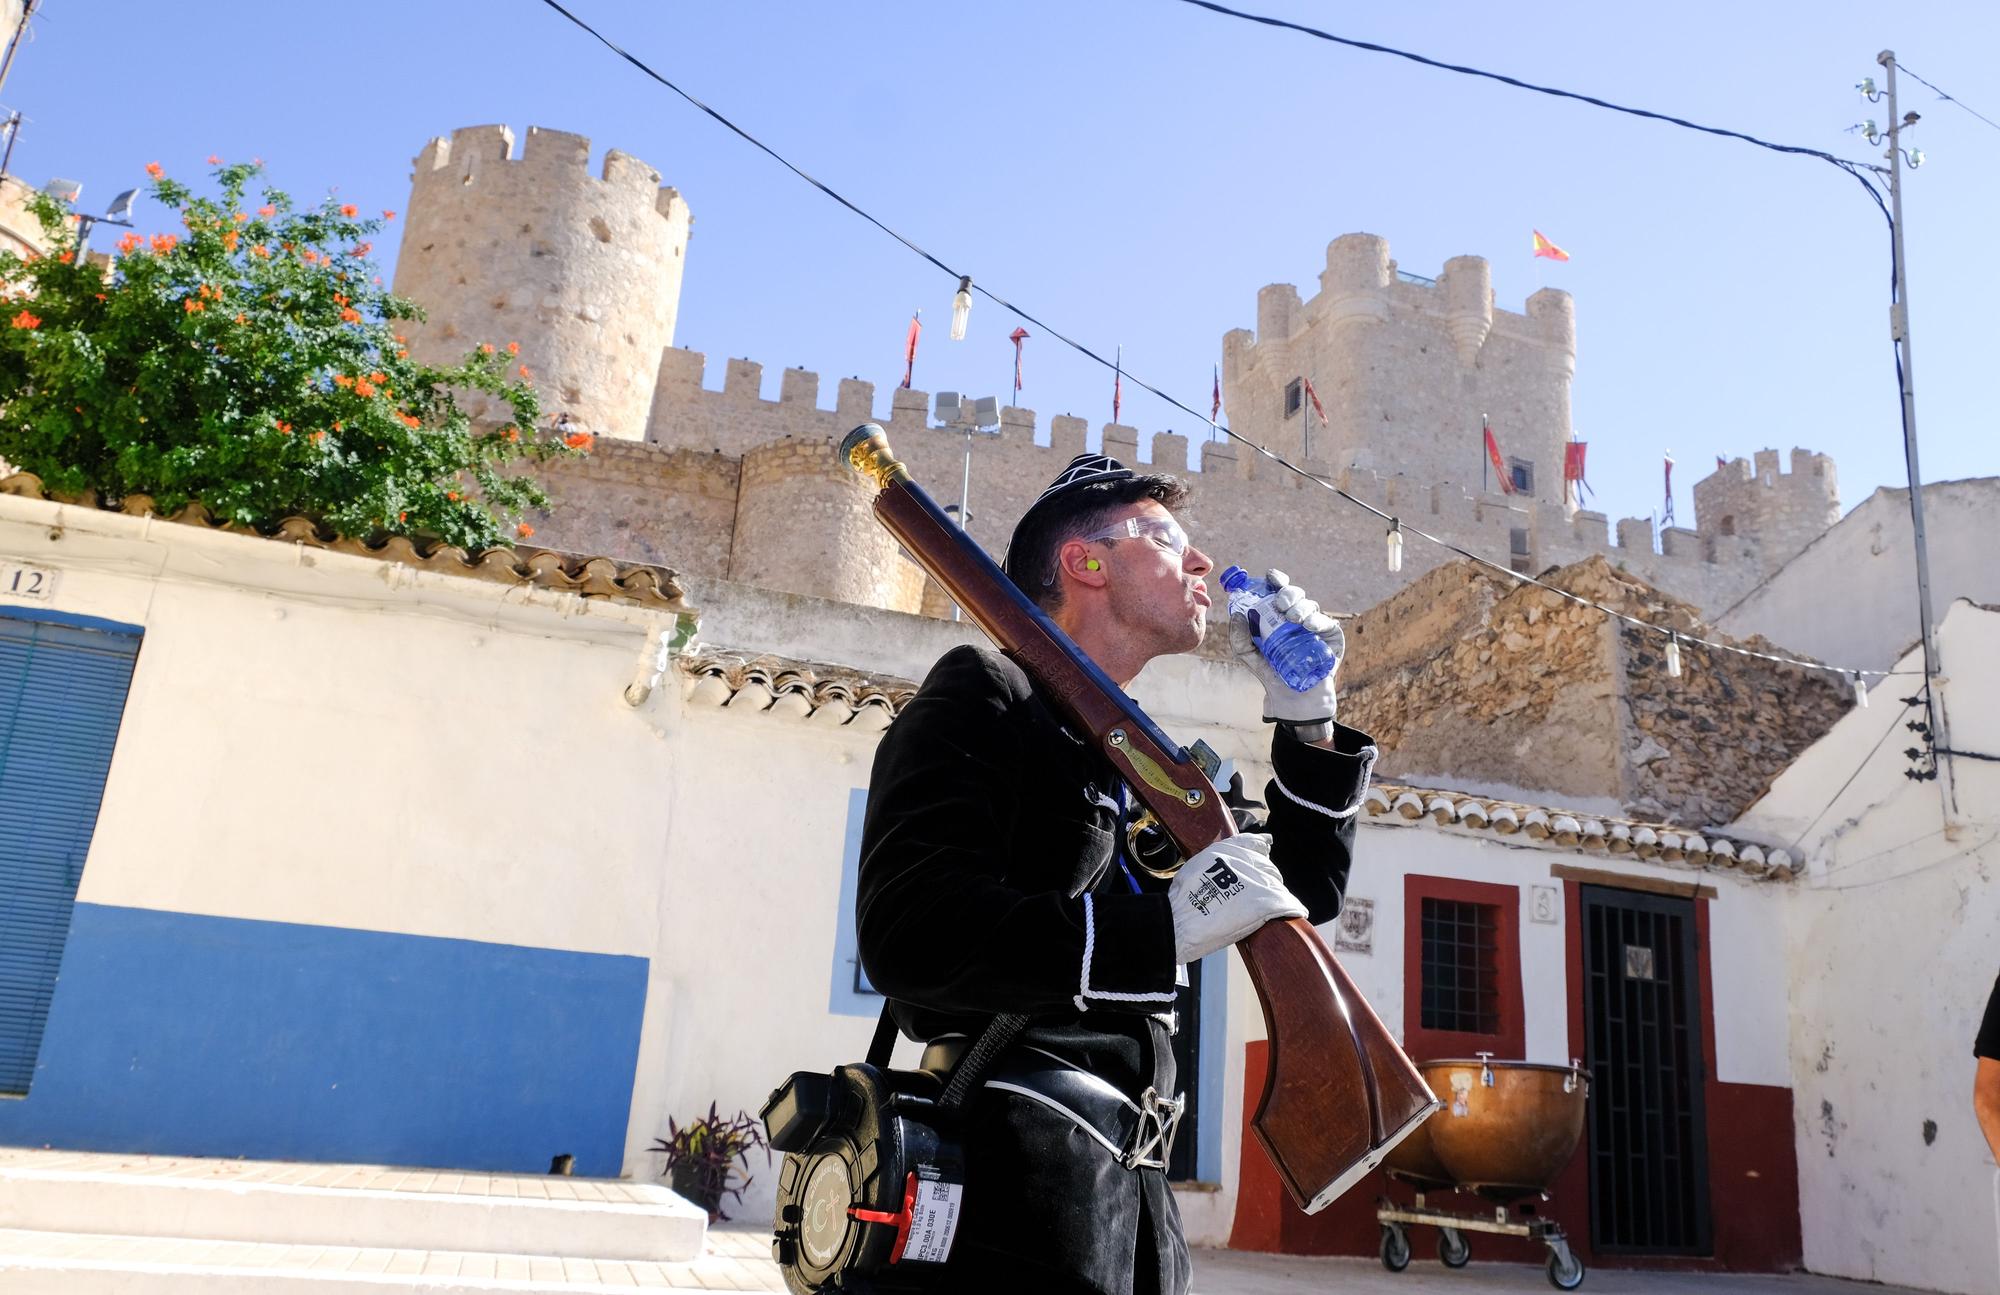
[479,157]
[1248,509]
[1404,366]
[584,272]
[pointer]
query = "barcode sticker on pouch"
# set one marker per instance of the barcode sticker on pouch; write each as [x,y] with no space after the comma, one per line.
[933,1217]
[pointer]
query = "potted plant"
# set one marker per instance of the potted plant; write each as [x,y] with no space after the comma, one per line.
[702,1157]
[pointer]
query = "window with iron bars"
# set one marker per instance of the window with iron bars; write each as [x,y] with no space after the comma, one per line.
[1295,395]
[1461,975]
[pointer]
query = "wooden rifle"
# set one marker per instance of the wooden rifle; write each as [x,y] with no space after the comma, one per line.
[1338,1092]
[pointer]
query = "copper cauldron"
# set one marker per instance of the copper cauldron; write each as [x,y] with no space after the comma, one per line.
[1507,1128]
[1414,1160]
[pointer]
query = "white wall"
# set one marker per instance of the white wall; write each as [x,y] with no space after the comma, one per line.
[1850,598]
[1893,942]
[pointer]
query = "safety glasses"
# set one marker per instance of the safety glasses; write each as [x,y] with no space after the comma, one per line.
[1165,533]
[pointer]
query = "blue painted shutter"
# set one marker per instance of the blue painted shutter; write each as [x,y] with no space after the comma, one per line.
[62,691]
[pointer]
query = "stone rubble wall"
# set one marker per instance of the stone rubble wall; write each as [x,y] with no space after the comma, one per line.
[1460,676]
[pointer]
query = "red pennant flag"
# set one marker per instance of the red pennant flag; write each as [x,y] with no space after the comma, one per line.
[910,348]
[1493,453]
[1573,456]
[1017,337]
[1543,247]
[1720,463]
[1117,383]
[1314,397]
[1215,404]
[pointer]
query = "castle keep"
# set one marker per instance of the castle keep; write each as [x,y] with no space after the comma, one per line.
[698,469]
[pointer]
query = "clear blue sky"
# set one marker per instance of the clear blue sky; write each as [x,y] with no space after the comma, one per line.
[1135,170]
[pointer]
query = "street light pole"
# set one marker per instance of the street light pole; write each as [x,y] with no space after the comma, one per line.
[1899,331]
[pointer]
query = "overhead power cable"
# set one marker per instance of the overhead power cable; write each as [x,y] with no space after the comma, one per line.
[1674,636]
[1904,68]
[1852,168]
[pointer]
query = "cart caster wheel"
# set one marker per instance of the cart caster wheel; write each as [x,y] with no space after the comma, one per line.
[1454,1251]
[1395,1248]
[1565,1276]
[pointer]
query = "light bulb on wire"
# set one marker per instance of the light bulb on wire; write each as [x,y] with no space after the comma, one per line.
[1395,544]
[961,308]
[1860,691]
[1674,656]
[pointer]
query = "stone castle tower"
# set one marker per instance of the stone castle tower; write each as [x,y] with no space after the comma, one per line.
[585,272]
[1405,367]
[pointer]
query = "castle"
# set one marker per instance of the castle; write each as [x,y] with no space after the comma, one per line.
[584,271]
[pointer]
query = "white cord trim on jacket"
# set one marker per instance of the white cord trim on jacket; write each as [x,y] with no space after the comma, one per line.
[1084,991]
[1368,756]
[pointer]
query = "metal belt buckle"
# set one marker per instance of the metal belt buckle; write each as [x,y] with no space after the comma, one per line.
[1153,1139]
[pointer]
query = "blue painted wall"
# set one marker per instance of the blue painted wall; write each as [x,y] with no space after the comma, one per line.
[189,1035]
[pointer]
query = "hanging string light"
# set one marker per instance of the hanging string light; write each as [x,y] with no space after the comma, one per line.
[1860,691]
[1395,544]
[1674,656]
[961,307]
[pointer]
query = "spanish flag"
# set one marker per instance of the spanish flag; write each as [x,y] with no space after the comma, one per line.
[1543,247]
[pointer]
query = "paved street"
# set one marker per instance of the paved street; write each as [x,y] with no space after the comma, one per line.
[1229,1272]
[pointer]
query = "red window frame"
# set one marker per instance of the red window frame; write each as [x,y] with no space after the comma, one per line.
[1509,1042]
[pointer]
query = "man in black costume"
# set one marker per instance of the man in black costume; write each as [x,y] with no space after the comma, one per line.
[994,879]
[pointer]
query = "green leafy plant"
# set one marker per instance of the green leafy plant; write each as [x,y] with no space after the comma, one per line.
[702,1156]
[253,363]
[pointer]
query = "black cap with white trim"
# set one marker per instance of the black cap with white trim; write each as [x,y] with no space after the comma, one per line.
[1083,470]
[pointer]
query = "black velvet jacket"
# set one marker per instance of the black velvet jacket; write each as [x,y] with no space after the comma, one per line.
[989,880]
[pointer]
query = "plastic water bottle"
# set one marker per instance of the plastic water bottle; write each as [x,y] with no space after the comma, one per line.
[1298,655]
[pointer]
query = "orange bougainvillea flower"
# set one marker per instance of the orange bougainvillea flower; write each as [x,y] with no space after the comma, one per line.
[527,532]
[67,257]
[284,427]
[350,316]
[403,516]
[127,243]
[260,250]
[451,495]
[361,249]
[524,374]
[513,348]
[101,297]
[378,377]
[349,209]
[342,380]
[155,170]
[26,320]
[513,434]
[166,242]
[336,425]
[229,240]
[309,256]
[387,214]
[339,299]
[192,306]
[213,160]
[579,440]
[318,437]
[267,211]
[486,348]
[363,387]
[410,420]
[241,318]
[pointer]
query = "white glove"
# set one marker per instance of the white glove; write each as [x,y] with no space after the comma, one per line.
[1288,602]
[1226,892]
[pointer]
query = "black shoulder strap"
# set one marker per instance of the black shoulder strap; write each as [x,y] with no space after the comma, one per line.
[995,1039]
[883,1045]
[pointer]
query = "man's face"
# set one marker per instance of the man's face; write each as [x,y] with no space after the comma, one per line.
[1157,597]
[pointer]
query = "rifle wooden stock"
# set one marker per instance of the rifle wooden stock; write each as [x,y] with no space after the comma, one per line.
[1338,1091]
